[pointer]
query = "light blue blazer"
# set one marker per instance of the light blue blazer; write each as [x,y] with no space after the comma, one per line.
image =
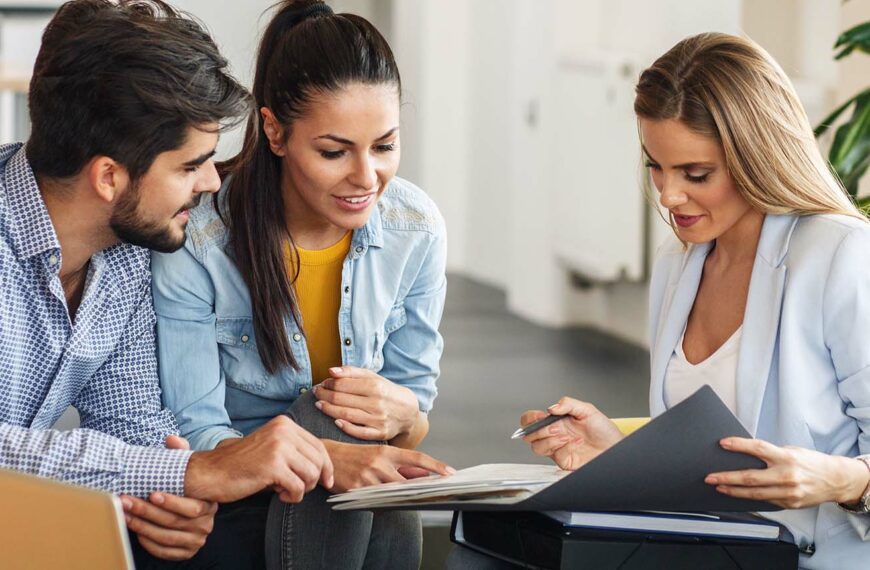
[803,371]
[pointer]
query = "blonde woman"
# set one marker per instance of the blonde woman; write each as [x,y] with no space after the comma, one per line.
[766,298]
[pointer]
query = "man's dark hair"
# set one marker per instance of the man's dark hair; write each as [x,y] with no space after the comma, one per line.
[125,80]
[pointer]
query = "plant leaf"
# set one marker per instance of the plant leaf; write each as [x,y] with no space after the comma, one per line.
[854,38]
[850,132]
[853,178]
[850,150]
[826,123]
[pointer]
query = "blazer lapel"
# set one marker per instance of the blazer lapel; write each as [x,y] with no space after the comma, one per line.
[676,314]
[761,318]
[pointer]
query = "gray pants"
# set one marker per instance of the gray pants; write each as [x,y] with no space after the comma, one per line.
[311,535]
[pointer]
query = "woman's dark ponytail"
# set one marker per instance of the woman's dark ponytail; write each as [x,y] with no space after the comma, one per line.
[305,50]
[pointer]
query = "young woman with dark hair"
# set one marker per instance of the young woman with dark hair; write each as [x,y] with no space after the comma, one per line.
[313,284]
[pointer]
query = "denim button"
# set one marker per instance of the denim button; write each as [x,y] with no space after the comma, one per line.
[297,337]
[347,342]
[359,249]
[245,338]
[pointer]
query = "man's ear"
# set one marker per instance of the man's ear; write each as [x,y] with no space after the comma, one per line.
[107,178]
[274,131]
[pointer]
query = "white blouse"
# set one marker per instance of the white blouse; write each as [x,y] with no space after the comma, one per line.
[719,370]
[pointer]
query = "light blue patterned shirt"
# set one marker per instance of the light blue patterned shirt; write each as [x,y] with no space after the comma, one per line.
[103,362]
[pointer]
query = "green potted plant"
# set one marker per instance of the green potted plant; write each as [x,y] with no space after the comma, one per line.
[850,149]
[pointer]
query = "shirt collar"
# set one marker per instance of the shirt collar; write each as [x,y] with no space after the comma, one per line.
[29,225]
[373,232]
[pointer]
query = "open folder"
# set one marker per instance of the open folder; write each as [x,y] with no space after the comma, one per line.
[660,467]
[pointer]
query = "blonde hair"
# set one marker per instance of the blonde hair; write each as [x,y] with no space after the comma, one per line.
[729,88]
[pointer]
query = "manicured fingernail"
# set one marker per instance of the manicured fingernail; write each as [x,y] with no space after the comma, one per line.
[450,470]
[126,503]
[710,480]
[551,407]
[318,404]
[726,443]
[157,498]
[339,423]
[335,370]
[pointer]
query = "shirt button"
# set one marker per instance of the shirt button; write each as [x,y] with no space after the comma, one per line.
[347,342]
[303,390]
[359,249]
[297,337]
[52,260]
[245,338]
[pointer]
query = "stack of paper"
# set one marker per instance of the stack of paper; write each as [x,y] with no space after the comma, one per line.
[696,524]
[498,483]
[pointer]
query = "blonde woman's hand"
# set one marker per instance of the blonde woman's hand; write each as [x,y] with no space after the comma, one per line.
[366,405]
[576,440]
[795,477]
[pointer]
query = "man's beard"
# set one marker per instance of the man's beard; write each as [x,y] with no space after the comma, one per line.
[130,227]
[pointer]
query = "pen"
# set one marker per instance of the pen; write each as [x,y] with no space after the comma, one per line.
[535,426]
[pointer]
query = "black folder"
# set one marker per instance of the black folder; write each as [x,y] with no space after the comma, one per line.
[532,540]
[660,467]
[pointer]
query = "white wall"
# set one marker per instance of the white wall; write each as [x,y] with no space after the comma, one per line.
[496,148]
[236,28]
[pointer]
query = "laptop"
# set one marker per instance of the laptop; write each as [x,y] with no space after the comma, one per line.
[47,524]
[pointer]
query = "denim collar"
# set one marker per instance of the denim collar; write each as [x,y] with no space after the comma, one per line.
[370,235]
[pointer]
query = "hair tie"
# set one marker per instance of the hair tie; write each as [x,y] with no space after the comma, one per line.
[291,17]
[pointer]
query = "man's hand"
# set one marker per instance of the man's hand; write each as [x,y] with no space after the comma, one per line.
[170,527]
[363,465]
[279,455]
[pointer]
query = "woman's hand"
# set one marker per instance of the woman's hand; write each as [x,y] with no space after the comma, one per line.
[795,477]
[358,465]
[576,440]
[366,405]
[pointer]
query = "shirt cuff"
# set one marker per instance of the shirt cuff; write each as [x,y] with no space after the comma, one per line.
[210,438]
[150,469]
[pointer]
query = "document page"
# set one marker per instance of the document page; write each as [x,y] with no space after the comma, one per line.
[495,483]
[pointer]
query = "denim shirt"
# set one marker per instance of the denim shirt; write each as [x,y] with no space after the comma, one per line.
[392,296]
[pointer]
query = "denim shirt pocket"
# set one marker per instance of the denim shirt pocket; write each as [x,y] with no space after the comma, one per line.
[240,361]
[395,320]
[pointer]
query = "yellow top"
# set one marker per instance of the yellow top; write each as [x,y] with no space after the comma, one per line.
[629,425]
[318,292]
